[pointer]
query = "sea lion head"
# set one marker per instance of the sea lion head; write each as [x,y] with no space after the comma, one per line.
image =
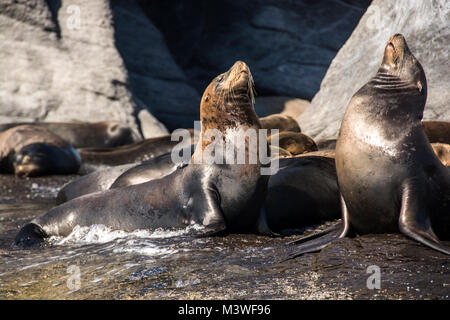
[42,158]
[31,160]
[399,62]
[228,100]
[119,134]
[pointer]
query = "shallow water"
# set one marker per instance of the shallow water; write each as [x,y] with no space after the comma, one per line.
[98,263]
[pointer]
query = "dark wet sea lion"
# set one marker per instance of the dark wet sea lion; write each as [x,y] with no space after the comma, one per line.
[389,176]
[303,192]
[96,181]
[437,131]
[106,134]
[294,142]
[281,122]
[217,197]
[442,151]
[32,151]
[118,176]
[137,152]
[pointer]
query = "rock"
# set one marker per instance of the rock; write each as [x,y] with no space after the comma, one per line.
[83,60]
[289,106]
[287,44]
[154,77]
[425,27]
[150,126]
[59,62]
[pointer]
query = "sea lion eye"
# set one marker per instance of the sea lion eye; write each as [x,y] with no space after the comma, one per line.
[206,97]
[220,79]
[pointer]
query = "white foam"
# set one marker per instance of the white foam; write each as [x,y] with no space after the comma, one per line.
[102,234]
[137,241]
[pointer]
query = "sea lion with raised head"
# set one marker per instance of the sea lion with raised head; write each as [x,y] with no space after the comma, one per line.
[215,196]
[30,151]
[389,177]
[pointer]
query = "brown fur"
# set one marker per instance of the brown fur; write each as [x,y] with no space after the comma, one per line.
[14,139]
[442,151]
[437,131]
[295,142]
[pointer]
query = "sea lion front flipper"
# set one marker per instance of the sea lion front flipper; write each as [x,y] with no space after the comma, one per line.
[212,218]
[414,221]
[324,238]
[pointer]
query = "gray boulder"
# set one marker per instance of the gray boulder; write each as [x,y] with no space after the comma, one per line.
[59,62]
[144,61]
[425,25]
[287,44]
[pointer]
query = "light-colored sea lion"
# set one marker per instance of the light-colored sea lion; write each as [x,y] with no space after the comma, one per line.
[326,144]
[281,122]
[442,151]
[99,180]
[33,151]
[137,152]
[294,142]
[437,131]
[216,197]
[105,134]
[389,177]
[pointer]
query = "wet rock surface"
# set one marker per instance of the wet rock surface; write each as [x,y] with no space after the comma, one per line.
[160,265]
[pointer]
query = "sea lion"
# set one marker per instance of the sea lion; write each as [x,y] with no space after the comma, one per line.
[327,153]
[130,174]
[437,131]
[442,151]
[33,151]
[389,177]
[216,197]
[96,181]
[326,144]
[303,192]
[137,152]
[281,122]
[294,142]
[105,134]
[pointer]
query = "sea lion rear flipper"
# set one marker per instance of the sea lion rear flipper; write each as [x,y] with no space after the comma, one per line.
[324,238]
[414,221]
[30,235]
[337,226]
